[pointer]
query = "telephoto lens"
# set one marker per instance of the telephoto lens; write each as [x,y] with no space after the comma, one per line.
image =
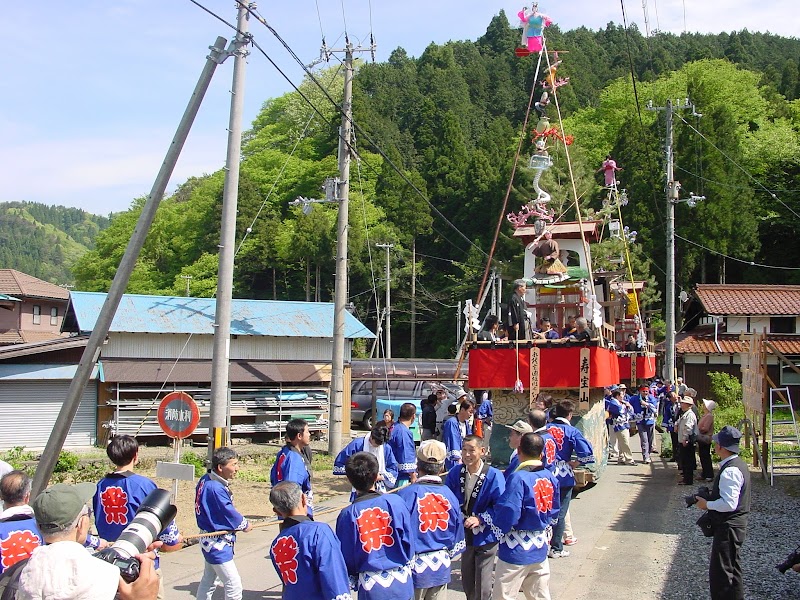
[153,516]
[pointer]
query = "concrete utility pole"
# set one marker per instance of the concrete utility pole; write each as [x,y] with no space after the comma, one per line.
[103,323]
[340,291]
[188,279]
[387,353]
[218,412]
[672,190]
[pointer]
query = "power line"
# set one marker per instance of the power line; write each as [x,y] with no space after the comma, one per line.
[741,260]
[740,167]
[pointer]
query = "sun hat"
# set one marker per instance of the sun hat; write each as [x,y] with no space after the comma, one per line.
[521,426]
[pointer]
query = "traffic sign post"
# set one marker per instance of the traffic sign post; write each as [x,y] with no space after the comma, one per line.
[178,416]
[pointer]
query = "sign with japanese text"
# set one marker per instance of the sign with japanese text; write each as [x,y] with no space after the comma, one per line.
[585,375]
[535,367]
[178,415]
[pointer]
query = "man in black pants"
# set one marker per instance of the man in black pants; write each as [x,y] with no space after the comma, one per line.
[728,509]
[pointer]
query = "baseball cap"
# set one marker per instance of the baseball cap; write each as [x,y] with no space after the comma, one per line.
[728,438]
[432,451]
[521,426]
[58,506]
[622,386]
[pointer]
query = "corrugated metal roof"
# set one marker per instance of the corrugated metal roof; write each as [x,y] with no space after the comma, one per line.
[749,299]
[199,371]
[50,345]
[40,372]
[731,344]
[171,314]
[18,283]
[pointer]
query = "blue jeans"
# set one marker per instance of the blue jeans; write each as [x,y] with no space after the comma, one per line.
[565,494]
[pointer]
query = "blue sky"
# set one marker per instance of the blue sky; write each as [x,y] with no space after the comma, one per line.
[91,91]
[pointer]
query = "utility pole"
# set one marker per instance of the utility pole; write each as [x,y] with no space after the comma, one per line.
[388,350]
[340,291]
[218,412]
[188,278]
[413,344]
[103,323]
[672,190]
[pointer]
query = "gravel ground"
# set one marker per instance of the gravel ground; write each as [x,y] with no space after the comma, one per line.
[772,534]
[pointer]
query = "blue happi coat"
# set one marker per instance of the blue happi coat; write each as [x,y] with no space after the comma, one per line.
[405,452]
[620,414]
[19,537]
[214,511]
[482,505]
[525,513]
[644,409]
[119,495]
[361,445]
[378,546]
[437,527]
[309,561]
[291,466]
[569,440]
[453,441]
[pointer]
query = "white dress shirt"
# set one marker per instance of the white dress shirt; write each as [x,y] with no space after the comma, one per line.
[730,487]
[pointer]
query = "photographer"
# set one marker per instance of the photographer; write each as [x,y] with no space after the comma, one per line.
[728,508]
[63,568]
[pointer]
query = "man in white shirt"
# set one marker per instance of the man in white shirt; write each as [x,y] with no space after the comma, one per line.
[728,508]
[63,569]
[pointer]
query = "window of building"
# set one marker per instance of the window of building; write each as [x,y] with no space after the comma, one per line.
[782,325]
[54,315]
[788,375]
[37,314]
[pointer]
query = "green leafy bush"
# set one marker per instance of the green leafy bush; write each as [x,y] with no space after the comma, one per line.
[199,463]
[67,461]
[725,389]
[17,457]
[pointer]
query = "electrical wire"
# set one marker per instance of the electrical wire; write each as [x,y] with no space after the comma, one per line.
[740,167]
[319,18]
[741,260]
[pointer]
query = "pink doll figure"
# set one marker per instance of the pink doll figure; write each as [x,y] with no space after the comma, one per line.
[609,169]
[533,23]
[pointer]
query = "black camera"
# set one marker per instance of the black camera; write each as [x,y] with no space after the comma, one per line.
[791,560]
[703,492]
[151,519]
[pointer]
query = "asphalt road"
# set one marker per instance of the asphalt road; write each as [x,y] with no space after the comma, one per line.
[621,552]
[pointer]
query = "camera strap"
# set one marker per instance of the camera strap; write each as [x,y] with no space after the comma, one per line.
[9,581]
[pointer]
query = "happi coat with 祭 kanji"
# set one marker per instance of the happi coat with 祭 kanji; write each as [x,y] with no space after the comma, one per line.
[525,513]
[119,495]
[453,434]
[214,511]
[378,546]
[291,465]
[568,440]
[19,536]
[388,466]
[405,452]
[487,491]
[437,527]
[309,561]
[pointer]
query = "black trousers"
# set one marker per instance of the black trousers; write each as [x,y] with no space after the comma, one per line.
[688,463]
[704,450]
[724,568]
[676,447]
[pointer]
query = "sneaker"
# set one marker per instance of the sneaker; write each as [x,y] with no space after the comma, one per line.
[647,461]
[631,462]
[570,541]
[558,553]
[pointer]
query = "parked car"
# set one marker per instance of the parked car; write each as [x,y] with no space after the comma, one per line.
[362,394]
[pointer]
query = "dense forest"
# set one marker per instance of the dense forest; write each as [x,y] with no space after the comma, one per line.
[46,241]
[450,121]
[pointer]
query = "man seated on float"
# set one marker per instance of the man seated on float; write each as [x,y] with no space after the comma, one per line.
[581,334]
[569,328]
[545,332]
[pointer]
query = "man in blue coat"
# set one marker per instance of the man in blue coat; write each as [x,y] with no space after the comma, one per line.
[522,517]
[569,440]
[291,463]
[435,523]
[477,487]
[375,533]
[645,408]
[373,443]
[455,430]
[19,534]
[401,441]
[214,511]
[306,554]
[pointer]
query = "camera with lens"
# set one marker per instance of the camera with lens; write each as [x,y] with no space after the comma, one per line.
[153,516]
[790,561]
[703,492]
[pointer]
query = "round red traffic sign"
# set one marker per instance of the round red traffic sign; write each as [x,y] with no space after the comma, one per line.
[178,415]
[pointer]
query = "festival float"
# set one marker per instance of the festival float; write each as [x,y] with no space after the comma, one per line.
[561,281]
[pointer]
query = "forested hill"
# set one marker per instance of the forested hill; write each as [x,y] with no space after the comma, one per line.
[450,120]
[46,241]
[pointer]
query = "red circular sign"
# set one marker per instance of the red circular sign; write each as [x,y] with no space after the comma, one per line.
[178,415]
